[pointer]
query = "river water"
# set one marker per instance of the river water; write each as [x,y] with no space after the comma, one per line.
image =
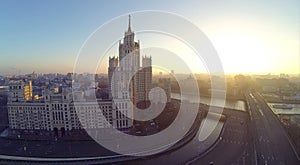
[294,111]
[232,104]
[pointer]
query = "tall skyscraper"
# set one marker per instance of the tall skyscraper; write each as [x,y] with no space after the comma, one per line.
[129,82]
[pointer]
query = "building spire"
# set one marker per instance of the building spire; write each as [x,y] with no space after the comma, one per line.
[129,23]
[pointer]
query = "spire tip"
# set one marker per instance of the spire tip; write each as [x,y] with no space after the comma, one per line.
[129,22]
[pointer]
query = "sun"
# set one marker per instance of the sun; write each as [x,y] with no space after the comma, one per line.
[242,53]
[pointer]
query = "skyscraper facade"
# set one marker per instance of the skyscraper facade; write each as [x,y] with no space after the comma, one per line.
[129,82]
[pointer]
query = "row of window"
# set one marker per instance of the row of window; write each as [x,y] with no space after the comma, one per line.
[29,117]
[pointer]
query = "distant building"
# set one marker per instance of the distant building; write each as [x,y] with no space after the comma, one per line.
[165,84]
[20,91]
[4,90]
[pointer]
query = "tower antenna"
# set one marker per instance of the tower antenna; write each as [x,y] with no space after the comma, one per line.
[129,23]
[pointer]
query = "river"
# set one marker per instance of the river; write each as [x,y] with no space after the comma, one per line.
[232,104]
[294,111]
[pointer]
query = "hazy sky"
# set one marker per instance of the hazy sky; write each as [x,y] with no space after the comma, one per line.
[250,36]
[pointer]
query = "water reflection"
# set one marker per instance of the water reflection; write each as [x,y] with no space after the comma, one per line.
[294,110]
[232,104]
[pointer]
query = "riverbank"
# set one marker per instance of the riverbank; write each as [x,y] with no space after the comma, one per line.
[218,102]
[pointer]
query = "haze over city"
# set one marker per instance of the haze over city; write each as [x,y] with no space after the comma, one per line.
[257,37]
[149,82]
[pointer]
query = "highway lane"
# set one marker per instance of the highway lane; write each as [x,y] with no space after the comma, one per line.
[271,143]
[233,147]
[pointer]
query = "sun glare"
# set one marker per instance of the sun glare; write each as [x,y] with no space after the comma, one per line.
[242,53]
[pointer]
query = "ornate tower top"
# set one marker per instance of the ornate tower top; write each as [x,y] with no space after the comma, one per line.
[129,23]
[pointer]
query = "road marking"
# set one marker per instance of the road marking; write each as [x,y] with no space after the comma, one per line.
[260,111]
[260,138]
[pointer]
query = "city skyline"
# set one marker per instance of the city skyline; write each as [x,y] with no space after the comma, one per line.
[254,38]
[131,82]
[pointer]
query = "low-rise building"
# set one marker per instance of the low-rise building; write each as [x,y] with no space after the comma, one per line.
[59,111]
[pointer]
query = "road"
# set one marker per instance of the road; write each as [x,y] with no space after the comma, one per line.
[271,144]
[183,154]
[233,147]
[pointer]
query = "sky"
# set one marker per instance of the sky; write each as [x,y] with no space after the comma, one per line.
[258,36]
